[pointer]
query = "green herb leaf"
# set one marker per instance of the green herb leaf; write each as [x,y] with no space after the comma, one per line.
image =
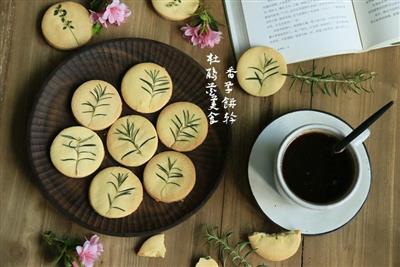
[99,95]
[96,28]
[268,68]
[169,173]
[184,127]
[128,133]
[80,147]
[153,84]
[61,247]
[67,24]
[120,179]
[173,3]
[227,251]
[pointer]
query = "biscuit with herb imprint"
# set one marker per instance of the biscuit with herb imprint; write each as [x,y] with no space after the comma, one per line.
[132,140]
[146,87]
[182,126]
[276,247]
[169,176]
[96,104]
[67,25]
[259,71]
[77,152]
[115,192]
[175,10]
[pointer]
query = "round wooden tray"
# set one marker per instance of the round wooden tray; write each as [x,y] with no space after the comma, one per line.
[51,113]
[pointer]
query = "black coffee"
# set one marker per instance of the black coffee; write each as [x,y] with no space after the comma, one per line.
[314,173]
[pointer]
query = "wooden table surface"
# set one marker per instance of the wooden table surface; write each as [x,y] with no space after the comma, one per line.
[371,239]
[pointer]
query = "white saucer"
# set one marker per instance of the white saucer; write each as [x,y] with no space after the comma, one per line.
[280,210]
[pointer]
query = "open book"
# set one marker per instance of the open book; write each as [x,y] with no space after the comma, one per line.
[308,29]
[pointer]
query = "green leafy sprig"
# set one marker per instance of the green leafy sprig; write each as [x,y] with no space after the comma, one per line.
[203,18]
[63,248]
[168,173]
[79,145]
[330,82]
[67,24]
[267,68]
[120,179]
[184,127]
[156,84]
[237,253]
[173,3]
[129,133]
[99,95]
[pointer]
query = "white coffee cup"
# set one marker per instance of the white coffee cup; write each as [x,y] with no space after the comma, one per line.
[283,188]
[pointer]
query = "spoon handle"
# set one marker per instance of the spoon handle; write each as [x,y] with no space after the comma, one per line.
[340,146]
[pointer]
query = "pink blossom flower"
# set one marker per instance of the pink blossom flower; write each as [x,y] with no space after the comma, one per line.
[191,33]
[211,37]
[90,251]
[97,17]
[205,38]
[75,264]
[116,13]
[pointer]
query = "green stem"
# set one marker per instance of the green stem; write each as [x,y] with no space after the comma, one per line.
[179,132]
[76,40]
[77,150]
[90,122]
[59,257]
[162,190]
[78,145]
[316,79]
[136,147]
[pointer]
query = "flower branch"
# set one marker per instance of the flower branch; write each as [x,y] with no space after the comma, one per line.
[103,13]
[69,253]
[203,30]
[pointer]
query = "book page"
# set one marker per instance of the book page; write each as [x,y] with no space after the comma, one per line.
[304,29]
[378,22]
[237,27]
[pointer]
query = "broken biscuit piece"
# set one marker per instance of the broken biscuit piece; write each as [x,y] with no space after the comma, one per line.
[153,247]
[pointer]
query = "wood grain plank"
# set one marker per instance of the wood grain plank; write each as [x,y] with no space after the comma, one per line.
[241,213]
[369,239]
[395,244]
[7,9]
[25,210]
[31,60]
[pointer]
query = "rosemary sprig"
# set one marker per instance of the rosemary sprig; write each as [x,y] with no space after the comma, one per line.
[173,3]
[185,127]
[330,82]
[120,177]
[168,173]
[67,24]
[129,133]
[226,251]
[99,95]
[78,145]
[156,84]
[266,69]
